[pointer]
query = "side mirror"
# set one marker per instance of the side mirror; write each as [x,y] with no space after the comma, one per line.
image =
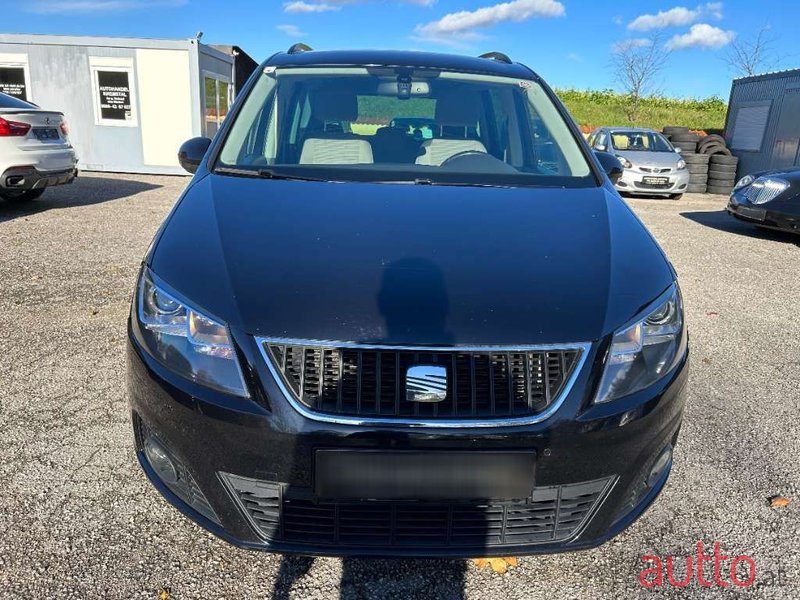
[192,152]
[678,150]
[610,164]
[600,148]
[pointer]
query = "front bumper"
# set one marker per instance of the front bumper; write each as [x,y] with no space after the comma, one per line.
[631,182]
[23,179]
[764,215]
[253,468]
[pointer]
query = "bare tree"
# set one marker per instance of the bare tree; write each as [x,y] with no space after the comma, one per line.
[637,64]
[752,56]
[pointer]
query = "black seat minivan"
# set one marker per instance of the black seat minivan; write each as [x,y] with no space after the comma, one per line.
[468,347]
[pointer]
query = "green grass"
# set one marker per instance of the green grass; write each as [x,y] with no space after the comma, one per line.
[597,108]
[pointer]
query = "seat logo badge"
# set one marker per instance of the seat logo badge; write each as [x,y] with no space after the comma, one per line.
[426,383]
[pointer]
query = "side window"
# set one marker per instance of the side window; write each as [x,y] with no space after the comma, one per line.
[601,141]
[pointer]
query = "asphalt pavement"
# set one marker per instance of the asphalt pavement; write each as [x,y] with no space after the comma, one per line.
[79,520]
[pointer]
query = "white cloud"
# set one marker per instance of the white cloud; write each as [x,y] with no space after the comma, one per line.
[676,17]
[459,27]
[47,7]
[291,30]
[631,43]
[575,57]
[314,6]
[701,35]
[308,7]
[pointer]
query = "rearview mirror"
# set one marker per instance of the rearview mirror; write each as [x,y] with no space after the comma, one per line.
[610,164]
[192,152]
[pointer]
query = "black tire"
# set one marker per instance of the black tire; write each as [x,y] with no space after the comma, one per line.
[676,196]
[674,129]
[712,138]
[698,179]
[721,168]
[721,159]
[695,159]
[722,191]
[699,188]
[685,137]
[715,150]
[721,183]
[717,174]
[687,147]
[26,196]
[694,168]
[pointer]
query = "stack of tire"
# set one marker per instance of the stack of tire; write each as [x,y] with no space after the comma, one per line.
[711,167]
[721,174]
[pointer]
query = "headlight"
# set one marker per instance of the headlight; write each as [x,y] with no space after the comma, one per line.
[645,351]
[744,182]
[765,189]
[681,165]
[185,340]
[625,162]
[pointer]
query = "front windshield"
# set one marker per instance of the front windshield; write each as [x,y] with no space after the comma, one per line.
[403,125]
[640,141]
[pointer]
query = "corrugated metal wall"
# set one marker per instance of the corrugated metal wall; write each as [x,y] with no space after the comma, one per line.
[761,88]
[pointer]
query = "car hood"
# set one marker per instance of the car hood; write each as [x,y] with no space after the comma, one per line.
[650,159]
[405,264]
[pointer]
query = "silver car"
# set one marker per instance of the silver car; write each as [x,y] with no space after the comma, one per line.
[652,166]
[35,151]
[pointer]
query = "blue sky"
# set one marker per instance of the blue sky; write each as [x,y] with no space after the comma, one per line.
[569,42]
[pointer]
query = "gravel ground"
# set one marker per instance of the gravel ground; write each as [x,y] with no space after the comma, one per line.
[79,520]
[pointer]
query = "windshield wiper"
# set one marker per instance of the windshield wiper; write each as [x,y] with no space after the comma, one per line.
[264,174]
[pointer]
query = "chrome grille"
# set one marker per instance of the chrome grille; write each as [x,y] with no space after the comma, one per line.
[369,381]
[282,513]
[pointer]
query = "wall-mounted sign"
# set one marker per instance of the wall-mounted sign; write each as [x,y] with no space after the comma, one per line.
[115,95]
[12,82]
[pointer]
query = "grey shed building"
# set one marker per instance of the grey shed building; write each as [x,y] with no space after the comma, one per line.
[763,123]
[129,102]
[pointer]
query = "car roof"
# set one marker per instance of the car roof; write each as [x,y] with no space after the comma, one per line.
[8,101]
[632,129]
[402,58]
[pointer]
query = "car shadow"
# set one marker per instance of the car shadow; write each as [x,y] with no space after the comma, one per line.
[381,578]
[83,191]
[722,221]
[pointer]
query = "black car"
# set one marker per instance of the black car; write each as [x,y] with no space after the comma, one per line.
[355,342]
[768,199]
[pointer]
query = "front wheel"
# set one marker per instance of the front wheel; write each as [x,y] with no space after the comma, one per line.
[676,196]
[25,196]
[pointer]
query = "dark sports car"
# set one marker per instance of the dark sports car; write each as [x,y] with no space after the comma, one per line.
[768,199]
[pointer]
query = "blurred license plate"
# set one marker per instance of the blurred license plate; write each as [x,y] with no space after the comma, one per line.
[655,180]
[412,475]
[46,134]
[753,213]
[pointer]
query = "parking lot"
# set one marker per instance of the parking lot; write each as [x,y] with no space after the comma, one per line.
[79,520]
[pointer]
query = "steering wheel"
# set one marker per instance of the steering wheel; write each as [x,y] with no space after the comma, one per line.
[459,155]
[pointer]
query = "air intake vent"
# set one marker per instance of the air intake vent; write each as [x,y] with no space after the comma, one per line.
[551,514]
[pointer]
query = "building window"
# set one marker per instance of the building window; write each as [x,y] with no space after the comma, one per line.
[113,92]
[14,76]
[750,125]
[217,101]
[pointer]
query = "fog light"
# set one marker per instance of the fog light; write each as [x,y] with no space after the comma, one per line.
[160,460]
[658,468]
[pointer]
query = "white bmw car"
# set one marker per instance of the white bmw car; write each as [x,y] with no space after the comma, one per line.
[35,151]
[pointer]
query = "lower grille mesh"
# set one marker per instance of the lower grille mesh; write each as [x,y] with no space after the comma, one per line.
[280,513]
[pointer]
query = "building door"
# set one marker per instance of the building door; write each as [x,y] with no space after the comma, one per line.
[217,101]
[787,136]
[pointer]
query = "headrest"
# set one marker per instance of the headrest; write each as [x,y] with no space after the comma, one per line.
[334,105]
[458,109]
